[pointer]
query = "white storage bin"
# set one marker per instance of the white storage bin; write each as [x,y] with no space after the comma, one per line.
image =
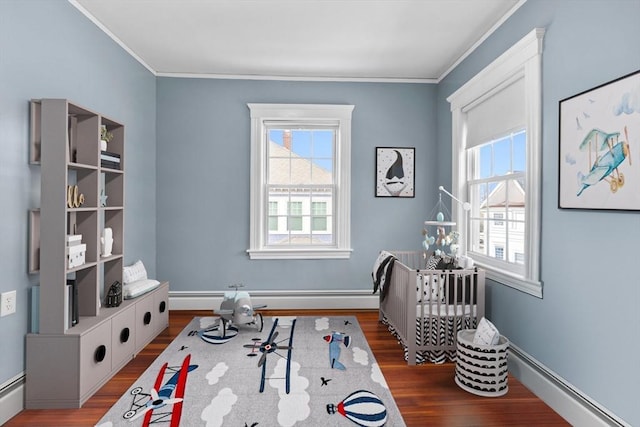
[481,369]
[76,255]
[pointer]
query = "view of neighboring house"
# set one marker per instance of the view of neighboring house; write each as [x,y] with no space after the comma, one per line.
[300,197]
[499,230]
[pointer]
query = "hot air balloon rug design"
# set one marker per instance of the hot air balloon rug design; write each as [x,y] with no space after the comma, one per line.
[362,407]
[395,172]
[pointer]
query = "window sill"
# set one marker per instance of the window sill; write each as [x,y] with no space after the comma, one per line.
[306,253]
[528,286]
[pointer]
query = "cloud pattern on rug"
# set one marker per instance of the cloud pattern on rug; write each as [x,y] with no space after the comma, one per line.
[376,375]
[286,321]
[217,372]
[292,407]
[322,324]
[360,356]
[221,405]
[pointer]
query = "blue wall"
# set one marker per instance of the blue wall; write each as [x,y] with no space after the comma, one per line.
[203,181]
[587,327]
[48,49]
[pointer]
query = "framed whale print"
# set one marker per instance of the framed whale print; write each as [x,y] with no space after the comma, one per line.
[395,172]
[599,143]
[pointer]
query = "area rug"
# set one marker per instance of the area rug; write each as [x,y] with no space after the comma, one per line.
[299,371]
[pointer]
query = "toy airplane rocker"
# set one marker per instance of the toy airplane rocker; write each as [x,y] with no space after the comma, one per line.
[236,310]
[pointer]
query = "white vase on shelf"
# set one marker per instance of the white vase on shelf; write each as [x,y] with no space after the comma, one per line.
[106,242]
[103,145]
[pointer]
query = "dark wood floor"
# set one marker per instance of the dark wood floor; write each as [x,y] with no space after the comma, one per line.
[426,395]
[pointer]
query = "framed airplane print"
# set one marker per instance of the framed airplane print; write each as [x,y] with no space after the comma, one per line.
[599,146]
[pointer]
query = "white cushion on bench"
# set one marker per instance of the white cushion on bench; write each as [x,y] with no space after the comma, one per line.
[139,287]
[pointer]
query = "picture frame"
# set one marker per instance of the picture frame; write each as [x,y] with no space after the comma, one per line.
[599,146]
[395,172]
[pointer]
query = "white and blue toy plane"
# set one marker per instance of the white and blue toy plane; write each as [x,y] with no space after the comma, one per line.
[236,310]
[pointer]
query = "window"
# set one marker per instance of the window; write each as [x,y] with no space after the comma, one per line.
[300,159]
[319,216]
[496,143]
[294,219]
[497,219]
[496,186]
[273,216]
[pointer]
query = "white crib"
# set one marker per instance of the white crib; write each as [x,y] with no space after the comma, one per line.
[425,309]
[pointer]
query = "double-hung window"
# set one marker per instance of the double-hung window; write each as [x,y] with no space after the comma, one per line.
[300,181]
[496,145]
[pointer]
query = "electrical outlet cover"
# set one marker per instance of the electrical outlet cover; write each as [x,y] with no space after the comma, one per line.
[7,303]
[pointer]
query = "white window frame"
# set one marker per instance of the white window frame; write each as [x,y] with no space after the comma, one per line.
[341,116]
[522,60]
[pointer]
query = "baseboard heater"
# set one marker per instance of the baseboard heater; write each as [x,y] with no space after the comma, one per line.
[11,397]
[572,404]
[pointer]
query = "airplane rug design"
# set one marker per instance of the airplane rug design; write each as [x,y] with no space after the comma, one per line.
[283,374]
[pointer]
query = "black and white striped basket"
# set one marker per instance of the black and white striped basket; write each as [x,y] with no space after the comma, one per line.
[481,369]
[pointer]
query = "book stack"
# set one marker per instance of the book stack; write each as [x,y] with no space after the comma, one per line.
[75,250]
[109,160]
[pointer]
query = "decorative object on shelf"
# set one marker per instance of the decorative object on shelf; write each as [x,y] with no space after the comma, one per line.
[106,242]
[114,296]
[74,200]
[103,198]
[595,127]
[105,137]
[395,172]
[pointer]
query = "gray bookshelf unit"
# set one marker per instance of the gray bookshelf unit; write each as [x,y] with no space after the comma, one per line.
[68,361]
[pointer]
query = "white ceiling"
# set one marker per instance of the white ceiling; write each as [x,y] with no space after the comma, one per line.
[370,40]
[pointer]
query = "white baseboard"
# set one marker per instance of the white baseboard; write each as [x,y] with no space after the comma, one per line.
[11,398]
[279,300]
[572,405]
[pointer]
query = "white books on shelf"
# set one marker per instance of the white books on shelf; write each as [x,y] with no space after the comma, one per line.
[74,239]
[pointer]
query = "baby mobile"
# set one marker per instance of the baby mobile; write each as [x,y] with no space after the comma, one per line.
[440,240]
